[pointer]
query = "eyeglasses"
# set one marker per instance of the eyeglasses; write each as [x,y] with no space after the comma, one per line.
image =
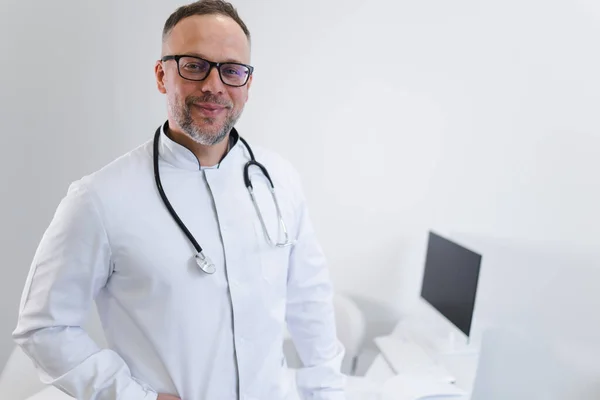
[197,69]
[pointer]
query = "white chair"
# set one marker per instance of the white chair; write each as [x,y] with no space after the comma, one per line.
[351,330]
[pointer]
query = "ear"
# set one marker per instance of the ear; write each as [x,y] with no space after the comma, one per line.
[159,72]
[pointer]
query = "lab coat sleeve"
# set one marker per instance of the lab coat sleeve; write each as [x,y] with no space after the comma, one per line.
[71,265]
[310,317]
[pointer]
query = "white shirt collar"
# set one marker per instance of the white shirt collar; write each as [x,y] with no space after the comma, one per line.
[182,157]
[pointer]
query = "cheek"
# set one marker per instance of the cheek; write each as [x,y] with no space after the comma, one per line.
[173,98]
[176,89]
[177,95]
[239,98]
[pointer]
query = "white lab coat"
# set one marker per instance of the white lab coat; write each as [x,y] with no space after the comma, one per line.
[171,328]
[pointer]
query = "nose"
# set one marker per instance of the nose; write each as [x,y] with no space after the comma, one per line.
[212,83]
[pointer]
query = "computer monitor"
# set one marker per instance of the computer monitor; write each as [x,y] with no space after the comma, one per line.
[450,281]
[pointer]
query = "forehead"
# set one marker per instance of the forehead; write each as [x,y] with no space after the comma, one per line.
[216,37]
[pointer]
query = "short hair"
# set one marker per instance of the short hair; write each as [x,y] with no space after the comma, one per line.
[204,7]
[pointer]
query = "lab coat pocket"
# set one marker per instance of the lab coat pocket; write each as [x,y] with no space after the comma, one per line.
[274,262]
[269,231]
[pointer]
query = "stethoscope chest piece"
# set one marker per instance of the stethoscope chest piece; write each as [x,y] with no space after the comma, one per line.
[205,263]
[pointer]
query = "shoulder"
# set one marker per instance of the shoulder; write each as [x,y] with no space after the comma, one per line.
[117,180]
[279,167]
[120,173]
[275,161]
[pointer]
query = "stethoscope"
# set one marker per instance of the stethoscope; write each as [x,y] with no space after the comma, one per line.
[203,261]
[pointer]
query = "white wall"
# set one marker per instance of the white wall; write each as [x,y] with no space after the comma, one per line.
[57,119]
[479,117]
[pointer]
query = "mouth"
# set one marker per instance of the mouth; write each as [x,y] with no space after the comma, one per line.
[210,109]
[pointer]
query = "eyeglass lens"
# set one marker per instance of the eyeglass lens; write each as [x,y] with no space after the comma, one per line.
[197,69]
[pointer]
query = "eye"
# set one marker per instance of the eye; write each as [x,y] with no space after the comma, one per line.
[195,67]
[234,70]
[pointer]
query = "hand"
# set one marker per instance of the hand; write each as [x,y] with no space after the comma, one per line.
[167,397]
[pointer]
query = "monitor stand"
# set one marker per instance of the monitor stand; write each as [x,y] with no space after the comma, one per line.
[438,341]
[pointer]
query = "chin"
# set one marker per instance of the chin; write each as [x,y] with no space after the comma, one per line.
[208,124]
[209,130]
[206,138]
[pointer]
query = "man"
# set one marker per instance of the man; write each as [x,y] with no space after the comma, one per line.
[185,320]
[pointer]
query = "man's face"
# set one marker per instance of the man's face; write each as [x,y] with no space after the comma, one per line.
[204,110]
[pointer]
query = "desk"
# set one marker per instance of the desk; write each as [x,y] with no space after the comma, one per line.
[380,371]
[409,386]
[404,387]
[461,366]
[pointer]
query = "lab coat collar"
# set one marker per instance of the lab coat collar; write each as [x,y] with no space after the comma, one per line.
[181,157]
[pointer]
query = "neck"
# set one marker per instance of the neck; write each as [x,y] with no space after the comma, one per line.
[207,156]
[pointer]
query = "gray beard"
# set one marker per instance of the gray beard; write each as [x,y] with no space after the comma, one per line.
[183,117]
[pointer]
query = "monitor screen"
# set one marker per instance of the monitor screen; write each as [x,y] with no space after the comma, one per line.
[450,280]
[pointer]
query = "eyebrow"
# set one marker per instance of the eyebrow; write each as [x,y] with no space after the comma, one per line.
[228,60]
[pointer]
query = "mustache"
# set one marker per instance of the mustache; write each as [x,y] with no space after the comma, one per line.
[208,98]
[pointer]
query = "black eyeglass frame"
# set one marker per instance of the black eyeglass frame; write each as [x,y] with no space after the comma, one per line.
[212,65]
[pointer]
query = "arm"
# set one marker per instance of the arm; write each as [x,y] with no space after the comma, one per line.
[310,317]
[71,265]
